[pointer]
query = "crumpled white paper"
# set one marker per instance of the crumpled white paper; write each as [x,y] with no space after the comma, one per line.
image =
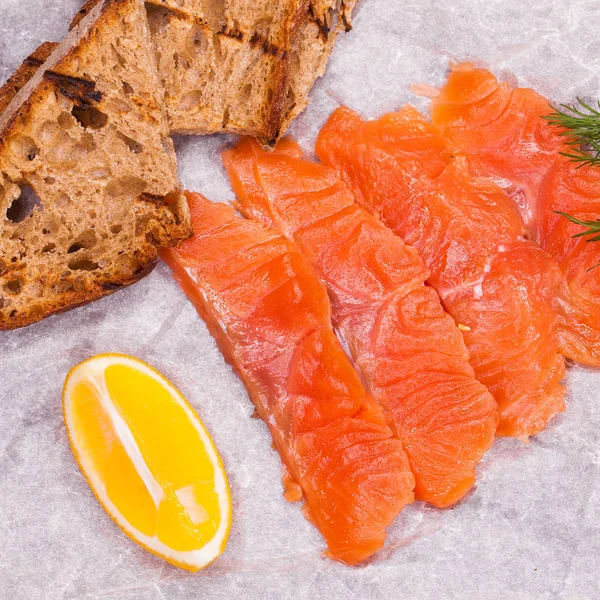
[529,530]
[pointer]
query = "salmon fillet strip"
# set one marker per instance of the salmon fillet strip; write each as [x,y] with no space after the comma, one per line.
[498,286]
[409,351]
[271,317]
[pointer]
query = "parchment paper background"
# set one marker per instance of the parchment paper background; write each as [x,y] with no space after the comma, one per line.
[531,528]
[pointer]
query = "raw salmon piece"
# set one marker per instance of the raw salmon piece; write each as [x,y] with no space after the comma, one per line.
[575,191]
[271,317]
[497,285]
[501,132]
[409,351]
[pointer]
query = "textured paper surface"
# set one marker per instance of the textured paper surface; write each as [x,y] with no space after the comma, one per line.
[530,530]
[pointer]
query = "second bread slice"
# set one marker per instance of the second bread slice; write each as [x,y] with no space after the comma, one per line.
[228,73]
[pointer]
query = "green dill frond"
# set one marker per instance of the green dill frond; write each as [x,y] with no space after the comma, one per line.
[592,228]
[581,126]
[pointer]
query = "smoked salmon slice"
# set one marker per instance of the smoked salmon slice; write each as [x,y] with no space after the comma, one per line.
[408,349]
[498,286]
[500,130]
[271,317]
[503,135]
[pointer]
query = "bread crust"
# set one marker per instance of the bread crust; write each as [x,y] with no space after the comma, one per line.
[70,300]
[82,13]
[25,72]
[311,47]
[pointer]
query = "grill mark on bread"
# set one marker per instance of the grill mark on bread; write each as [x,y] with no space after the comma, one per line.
[256,40]
[271,49]
[32,61]
[345,12]
[323,26]
[77,89]
[154,198]
[232,32]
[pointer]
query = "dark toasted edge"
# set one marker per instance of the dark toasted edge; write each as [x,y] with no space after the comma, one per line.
[25,72]
[82,13]
[268,138]
[329,35]
[270,133]
[345,16]
[70,300]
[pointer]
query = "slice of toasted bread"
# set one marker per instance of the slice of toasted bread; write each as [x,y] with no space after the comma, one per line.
[227,71]
[86,165]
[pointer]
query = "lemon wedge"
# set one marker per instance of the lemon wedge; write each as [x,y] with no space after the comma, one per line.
[148,459]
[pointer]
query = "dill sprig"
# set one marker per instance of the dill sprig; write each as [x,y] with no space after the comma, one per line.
[581,126]
[593,230]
